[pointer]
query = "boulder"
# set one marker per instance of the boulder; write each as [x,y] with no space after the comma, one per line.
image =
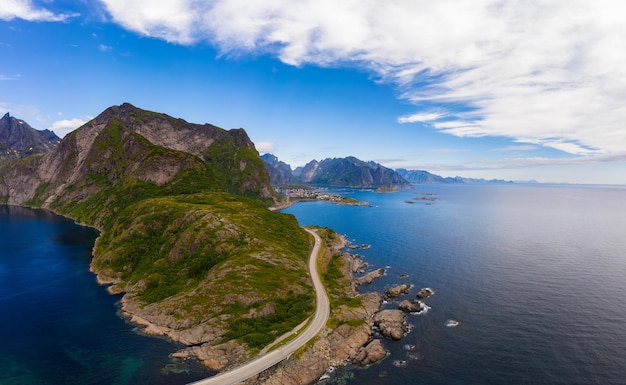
[371,353]
[425,293]
[392,323]
[412,306]
[397,291]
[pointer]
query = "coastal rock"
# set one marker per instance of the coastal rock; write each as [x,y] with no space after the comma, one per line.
[370,277]
[412,306]
[371,353]
[346,341]
[397,291]
[357,265]
[392,323]
[216,357]
[372,302]
[425,293]
[306,369]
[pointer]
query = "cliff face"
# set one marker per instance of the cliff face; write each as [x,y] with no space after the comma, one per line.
[339,172]
[279,171]
[18,139]
[127,153]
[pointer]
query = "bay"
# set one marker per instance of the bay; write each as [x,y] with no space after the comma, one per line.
[535,276]
[58,326]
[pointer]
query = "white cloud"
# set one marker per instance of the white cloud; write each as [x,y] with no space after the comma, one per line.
[24,9]
[105,48]
[518,147]
[421,117]
[548,73]
[65,126]
[265,147]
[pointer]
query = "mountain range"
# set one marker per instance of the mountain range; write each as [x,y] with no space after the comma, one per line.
[352,172]
[338,172]
[420,176]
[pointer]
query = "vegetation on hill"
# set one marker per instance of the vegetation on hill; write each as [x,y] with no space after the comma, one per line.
[185,229]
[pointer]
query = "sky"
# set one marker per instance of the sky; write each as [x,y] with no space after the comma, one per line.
[506,89]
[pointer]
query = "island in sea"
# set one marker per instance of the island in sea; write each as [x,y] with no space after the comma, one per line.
[186,235]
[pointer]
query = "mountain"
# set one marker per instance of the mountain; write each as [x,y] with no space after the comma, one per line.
[420,176]
[18,139]
[280,172]
[126,153]
[339,172]
[185,232]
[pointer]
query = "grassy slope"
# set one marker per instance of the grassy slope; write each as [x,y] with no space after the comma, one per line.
[200,247]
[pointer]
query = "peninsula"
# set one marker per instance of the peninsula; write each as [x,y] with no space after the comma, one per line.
[187,237]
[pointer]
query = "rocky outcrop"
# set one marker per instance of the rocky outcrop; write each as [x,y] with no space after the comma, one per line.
[397,291]
[370,277]
[371,353]
[392,323]
[346,341]
[216,357]
[412,306]
[425,293]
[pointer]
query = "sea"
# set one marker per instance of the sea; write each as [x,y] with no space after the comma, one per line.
[529,281]
[529,286]
[58,325]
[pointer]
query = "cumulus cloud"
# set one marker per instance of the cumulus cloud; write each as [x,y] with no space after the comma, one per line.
[25,9]
[265,147]
[65,126]
[548,73]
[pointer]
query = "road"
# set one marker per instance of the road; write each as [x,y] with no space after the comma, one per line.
[270,359]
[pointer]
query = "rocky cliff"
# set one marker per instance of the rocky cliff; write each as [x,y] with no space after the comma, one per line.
[18,139]
[127,153]
[279,171]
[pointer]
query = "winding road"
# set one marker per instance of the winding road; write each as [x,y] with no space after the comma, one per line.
[270,359]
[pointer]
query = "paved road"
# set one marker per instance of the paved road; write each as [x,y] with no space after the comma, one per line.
[261,363]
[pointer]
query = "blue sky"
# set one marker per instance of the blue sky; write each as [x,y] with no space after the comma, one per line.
[511,90]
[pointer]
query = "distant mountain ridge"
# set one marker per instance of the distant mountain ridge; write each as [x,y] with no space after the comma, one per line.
[18,139]
[421,176]
[337,172]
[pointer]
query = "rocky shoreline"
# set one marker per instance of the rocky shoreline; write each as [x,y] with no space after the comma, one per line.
[354,336]
[358,340]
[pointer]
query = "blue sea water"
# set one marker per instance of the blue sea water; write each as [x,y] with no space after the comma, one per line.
[57,325]
[535,276]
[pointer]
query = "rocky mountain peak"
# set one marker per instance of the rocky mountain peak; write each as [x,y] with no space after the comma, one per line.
[18,139]
[125,147]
